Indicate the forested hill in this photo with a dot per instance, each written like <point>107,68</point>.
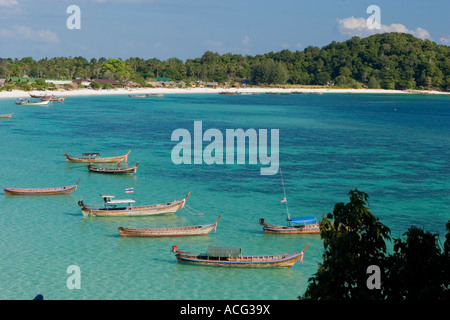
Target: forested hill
<point>388,60</point>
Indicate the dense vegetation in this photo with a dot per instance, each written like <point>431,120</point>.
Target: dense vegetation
<point>355,239</point>
<point>389,61</point>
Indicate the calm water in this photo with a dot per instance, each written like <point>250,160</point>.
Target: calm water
<point>393,147</point>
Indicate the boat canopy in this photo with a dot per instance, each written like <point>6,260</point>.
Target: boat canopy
<point>224,252</point>
<point>110,201</point>
<point>91,155</point>
<point>304,220</point>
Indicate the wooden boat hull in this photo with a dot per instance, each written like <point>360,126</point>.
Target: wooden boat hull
<point>200,230</point>
<point>6,116</point>
<point>114,170</point>
<point>170,207</point>
<point>42,191</point>
<point>314,229</point>
<point>40,103</point>
<point>310,228</point>
<point>265,261</point>
<point>96,160</point>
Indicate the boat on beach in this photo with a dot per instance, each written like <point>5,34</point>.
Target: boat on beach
<point>232,257</point>
<point>42,191</point>
<point>6,116</point>
<point>47,97</point>
<point>22,101</point>
<point>230,93</point>
<point>111,207</point>
<point>95,158</point>
<point>199,230</point>
<point>118,170</point>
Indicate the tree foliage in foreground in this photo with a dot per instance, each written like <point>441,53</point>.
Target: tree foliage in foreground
<point>355,239</point>
<point>388,61</point>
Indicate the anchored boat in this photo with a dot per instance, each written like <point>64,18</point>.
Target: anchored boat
<point>124,207</point>
<point>42,191</point>
<point>200,230</point>
<point>232,257</point>
<point>302,225</point>
<point>95,158</point>
<point>118,170</point>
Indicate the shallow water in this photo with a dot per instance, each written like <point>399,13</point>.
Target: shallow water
<point>393,147</point>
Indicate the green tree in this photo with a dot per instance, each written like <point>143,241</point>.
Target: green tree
<point>417,269</point>
<point>269,72</point>
<point>353,241</point>
<point>115,69</point>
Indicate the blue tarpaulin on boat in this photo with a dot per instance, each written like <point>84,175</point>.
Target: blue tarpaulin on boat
<point>304,220</point>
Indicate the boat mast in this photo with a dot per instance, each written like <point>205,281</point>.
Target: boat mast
<point>284,191</point>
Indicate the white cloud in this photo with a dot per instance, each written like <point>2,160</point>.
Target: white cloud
<point>445,40</point>
<point>8,3</point>
<point>26,33</point>
<point>358,27</point>
<point>245,41</point>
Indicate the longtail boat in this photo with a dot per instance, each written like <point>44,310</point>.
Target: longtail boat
<point>303,225</point>
<point>42,191</point>
<point>200,230</point>
<point>229,93</point>
<point>22,101</point>
<point>46,97</point>
<point>95,158</point>
<point>232,257</point>
<point>117,170</point>
<point>111,207</point>
<point>6,116</point>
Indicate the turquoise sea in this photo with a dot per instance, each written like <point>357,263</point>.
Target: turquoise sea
<point>393,147</point>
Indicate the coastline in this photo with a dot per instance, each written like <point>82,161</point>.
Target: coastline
<point>124,91</point>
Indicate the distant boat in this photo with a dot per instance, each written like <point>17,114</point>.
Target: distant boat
<point>200,230</point>
<point>6,116</point>
<point>47,97</point>
<point>231,257</point>
<point>137,95</point>
<point>117,170</point>
<point>95,158</point>
<point>229,92</point>
<point>22,101</point>
<point>155,94</point>
<point>42,191</point>
<point>111,208</point>
<point>53,98</point>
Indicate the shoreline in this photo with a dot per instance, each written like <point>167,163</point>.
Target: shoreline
<point>123,91</point>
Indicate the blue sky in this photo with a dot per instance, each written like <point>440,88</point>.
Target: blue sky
<point>186,29</point>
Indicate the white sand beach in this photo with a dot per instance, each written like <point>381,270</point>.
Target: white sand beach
<point>125,91</point>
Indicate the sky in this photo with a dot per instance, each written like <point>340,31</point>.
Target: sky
<point>185,29</point>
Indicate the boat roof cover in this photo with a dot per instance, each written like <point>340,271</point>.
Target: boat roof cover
<point>120,201</point>
<point>91,155</point>
<point>222,252</point>
<point>304,220</point>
